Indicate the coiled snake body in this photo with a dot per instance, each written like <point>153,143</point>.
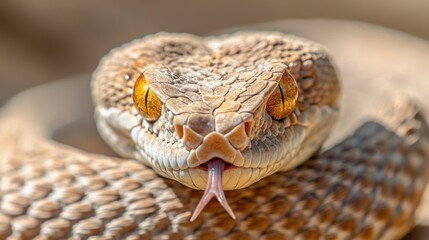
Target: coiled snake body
<point>229,111</point>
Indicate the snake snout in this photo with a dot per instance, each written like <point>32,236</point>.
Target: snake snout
<point>215,145</point>
<point>207,137</point>
<point>194,131</point>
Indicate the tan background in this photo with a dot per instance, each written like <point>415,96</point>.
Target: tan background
<point>46,40</point>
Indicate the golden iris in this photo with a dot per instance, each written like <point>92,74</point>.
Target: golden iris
<point>145,101</point>
<point>282,101</point>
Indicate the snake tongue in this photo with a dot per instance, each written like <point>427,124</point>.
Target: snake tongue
<point>215,168</point>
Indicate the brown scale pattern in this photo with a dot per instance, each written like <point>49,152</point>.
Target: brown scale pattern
<point>363,188</point>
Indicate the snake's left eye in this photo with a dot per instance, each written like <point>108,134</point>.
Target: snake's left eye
<point>145,101</point>
<point>282,101</point>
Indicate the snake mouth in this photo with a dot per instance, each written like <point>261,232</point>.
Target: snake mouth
<point>205,165</point>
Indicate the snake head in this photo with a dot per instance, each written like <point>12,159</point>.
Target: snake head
<point>216,113</point>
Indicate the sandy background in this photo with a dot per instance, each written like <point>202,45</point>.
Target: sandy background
<point>47,40</point>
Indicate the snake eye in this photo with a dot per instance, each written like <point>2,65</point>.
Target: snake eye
<point>282,101</point>
<point>146,102</point>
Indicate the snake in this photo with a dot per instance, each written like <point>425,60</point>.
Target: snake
<point>242,116</point>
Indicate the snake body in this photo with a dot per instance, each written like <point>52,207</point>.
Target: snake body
<point>214,94</point>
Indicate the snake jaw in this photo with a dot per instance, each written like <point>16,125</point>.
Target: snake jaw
<point>214,187</point>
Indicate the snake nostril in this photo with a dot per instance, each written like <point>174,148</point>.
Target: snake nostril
<point>179,123</point>
<point>248,127</point>
<point>179,130</point>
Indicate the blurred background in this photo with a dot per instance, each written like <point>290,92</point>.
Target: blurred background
<point>48,40</point>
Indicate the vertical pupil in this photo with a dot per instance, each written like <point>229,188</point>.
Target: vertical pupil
<point>283,98</point>
<point>146,100</point>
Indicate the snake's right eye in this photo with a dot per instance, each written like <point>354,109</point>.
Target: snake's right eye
<point>282,101</point>
<point>145,101</point>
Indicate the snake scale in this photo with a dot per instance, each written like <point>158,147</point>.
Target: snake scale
<point>241,112</point>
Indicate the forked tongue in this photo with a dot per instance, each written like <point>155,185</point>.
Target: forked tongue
<point>215,168</point>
